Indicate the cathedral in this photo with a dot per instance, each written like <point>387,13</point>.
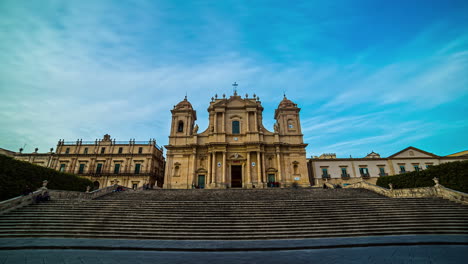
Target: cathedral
<point>236,150</point>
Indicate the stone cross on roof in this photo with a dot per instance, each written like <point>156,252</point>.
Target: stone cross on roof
<point>234,85</point>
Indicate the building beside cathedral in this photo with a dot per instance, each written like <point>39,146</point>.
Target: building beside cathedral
<point>105,161</point>
<point>328,168</point>
<point>236,150</point>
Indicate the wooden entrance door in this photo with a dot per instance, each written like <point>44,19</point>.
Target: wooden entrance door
<point>236,176</point>
<point>201,181</point>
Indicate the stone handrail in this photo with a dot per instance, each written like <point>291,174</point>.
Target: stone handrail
<point>422,192</point>
<point>18,202</point>
<point>58,194</point>
<point>23,200</point>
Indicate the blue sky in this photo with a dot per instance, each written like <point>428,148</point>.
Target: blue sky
<point>368,75</point>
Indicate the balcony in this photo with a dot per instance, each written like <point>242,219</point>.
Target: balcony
<point>326,176</point>
<point>383,174</point>
<point>345,176</point>
<point>365,176</point>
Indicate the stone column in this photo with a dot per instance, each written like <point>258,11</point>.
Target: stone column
<point>224,122</point>
<point>224,167</point>
<point>249,177</point>
<point>255,122</point>
<point>259,169</point>
<point>278,159</point>
<point>208,181</point>
<point>263,169</point>
<point>213,169</point>
<point>194,165</point>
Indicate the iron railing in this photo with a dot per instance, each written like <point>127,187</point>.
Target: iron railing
<point>93,174</point>
<point>365,176</point>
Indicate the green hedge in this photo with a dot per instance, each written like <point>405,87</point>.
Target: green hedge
<point>15,175</point>
<point>453,175</point>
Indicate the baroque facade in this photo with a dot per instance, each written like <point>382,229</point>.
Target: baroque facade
<point>236,150</point>
<point>106,161</point>
<point>328,168</point>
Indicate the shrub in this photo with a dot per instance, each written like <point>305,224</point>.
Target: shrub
<point>453,175</point>
<point>15,175</point>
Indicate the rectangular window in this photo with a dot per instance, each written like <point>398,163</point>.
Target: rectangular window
<point>140,150</point>
<point>416,167</point>
<point>81,169</point>
<point>85,151</point>
<point>428,166</point>
<point>382,171</point>
<point>120,150</point>
<point>62,167</point>
<point>324,172</point>
<point>103,150</point>
<point>364,171</point>
<point>137,168</point>
<point>98,168</point>
<point>344,172</point>
<point>116,168</point>
<point>235,127</point>
<point>402,169</point>
<point>67,151</point>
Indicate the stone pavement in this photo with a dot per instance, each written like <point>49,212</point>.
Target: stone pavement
<point>386,249</point>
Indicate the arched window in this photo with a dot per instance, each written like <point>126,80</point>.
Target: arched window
<point>235,127</point>
<point>180,127</point>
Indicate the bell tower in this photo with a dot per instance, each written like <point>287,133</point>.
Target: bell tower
<point>287,118</point>
<point>183,120</point>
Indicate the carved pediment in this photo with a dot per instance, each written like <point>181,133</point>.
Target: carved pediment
<point>235,116</point>
<point>412,152</point>
<point>236,156</point>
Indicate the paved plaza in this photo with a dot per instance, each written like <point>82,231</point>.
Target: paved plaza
<point>388,249</point>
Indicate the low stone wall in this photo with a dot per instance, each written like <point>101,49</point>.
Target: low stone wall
<point>422,192</point>
<point>319,182</point>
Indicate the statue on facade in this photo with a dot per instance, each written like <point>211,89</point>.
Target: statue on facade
<point>195,129</point>
<point>276,128</point>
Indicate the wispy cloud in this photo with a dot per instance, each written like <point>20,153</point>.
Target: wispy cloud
<point>120,68</point>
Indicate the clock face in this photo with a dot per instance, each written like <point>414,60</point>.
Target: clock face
<point>235,138</point>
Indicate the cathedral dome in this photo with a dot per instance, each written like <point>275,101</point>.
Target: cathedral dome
<point>183,105</point>
<point>286,103</point>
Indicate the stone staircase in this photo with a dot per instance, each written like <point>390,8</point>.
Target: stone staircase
<point>236,214</point>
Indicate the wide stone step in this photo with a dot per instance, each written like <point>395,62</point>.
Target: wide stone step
<point>236,209</point>
<point>156,233</point>
<point>235,237</point>
<point>231,214</point>
<point>247,205</point>
<point>210,224</point>
<point>231,228</point>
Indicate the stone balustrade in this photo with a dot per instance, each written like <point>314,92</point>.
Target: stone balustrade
<point>423,192</point>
